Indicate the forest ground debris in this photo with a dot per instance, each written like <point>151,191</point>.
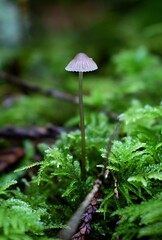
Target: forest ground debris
<point>16,81</point>
<point>33,88</point>
<point>50,131</point>
<point>88,204</point>
<point>91,203</point>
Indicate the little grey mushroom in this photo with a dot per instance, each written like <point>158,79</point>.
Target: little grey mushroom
<point>81,63</point>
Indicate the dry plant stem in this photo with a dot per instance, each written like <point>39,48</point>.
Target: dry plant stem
<point>73,223</point>
<point>50,131</point>
<point>114,136</point>
<point>51,93</point>
<point>116,193</point>
<point>36,89</point>
<point>81,109</point>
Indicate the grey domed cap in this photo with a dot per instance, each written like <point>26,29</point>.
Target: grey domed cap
<point>81,63</point>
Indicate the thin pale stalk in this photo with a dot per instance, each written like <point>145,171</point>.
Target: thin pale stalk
<point>81,110</point>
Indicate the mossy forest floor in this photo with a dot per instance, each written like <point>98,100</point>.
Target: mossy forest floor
<point>42,192</point>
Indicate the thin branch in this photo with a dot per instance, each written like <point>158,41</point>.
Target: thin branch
<point>105,172</point>
<point>87,217</point>
<point>51,131</point>
<point>76,218</point>
<point>52,93</point>
<point>33,88</point>
<point>112,115</point>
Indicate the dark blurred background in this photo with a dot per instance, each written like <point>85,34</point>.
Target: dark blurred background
<point>48,33</point>
<point>38,38</point>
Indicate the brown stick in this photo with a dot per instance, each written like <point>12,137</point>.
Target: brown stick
<point>52,93</point>
<point>48,92</point>
<point>67,234</point>
<point>50,131</point>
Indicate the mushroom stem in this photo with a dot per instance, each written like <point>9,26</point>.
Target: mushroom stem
<point>81,63</point>
<point>81,109</point>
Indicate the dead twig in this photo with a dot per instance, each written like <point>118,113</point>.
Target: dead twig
<point>10,156</point>
<point>116,192</point>
<point>52,93</point>
<point>105,170</point>
<point>33,88</point>
<point>87,217</point>
<point>51,131</point>
<point>88,204</point>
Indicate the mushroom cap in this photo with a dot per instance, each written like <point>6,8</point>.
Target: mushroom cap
<point>81,63</point>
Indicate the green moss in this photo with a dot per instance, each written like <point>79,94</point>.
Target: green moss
<point>37,206</point>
